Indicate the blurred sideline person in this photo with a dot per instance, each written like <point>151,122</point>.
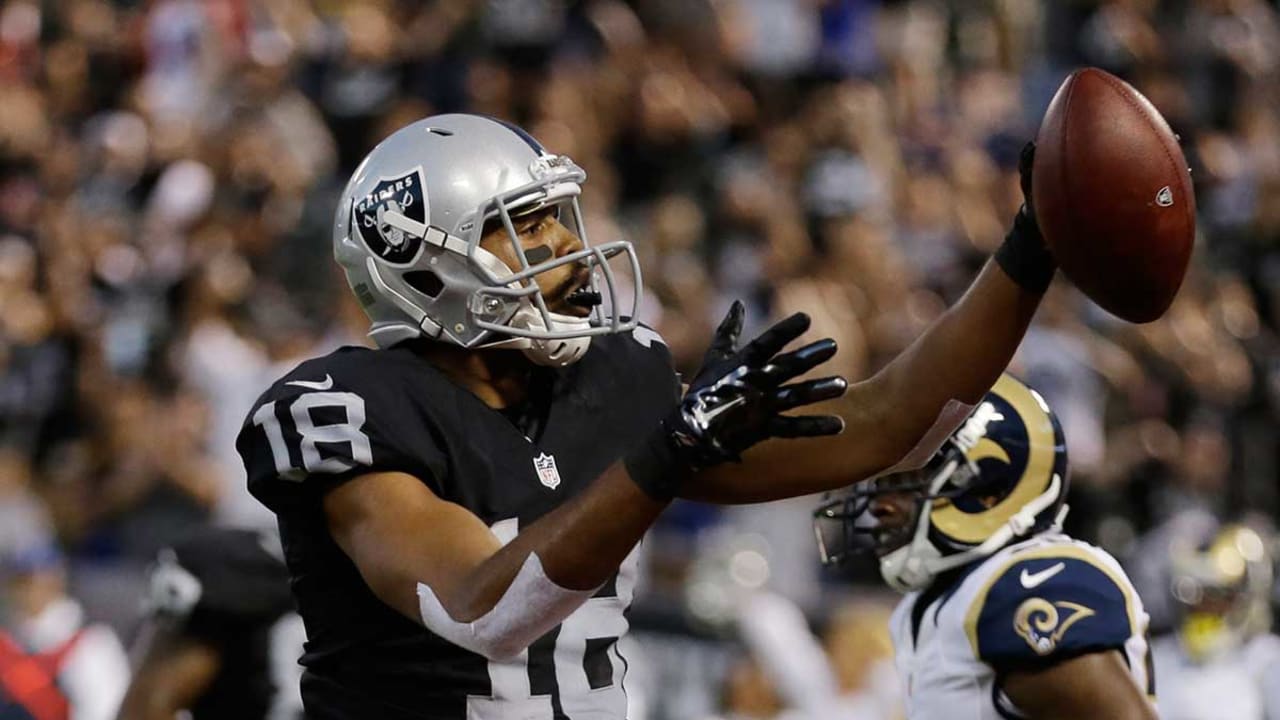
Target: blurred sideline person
<point>847,675</point>
<point>1222,661</point>
<point>1004,615</point>
<point>789,672</point>
<point>53,664</point>
<point>459,507</point>
<point>221,640</point>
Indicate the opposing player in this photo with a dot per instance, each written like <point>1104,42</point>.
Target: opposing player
<point>1004,615</point>
<point>1222,661</point>
<point>221,640</point>
<point>459,506</point>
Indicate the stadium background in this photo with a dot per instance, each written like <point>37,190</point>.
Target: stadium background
<point>169,169</point>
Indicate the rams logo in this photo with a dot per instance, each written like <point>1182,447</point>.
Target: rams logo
<point>972,437</point>
<point>1016,444</point>
<point>403,195</point>
<point>1040,623</point>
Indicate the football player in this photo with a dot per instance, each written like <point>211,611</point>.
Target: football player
<point>221,639</point>
<point>1222,661</point>
<point>460,505</point>
<point>1004,615</point>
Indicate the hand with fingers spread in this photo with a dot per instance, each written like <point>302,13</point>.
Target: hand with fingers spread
<point>736,400</point>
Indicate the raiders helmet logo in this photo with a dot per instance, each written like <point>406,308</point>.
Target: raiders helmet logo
<point>369,214</point>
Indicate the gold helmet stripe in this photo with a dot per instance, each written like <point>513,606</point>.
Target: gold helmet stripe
<point>974,527</point>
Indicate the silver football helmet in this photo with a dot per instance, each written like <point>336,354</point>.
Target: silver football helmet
<point>408,228</point>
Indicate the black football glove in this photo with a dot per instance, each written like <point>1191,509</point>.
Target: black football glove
<point>735,401</point>
<point>1026,163</point>
<point>1024,256</point>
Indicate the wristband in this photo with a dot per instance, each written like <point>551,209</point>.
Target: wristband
<point>1024,257</point>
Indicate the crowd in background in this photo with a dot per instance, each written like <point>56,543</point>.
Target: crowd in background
<point>169,168</point>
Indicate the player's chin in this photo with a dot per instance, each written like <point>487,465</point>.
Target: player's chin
<point>887,545</point>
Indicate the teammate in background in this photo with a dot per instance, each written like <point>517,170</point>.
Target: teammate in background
<point>459,507</point>
<point>1004,615</point>
<point>53,664</point>
<point>1222,661</point>
<point>221,640</point>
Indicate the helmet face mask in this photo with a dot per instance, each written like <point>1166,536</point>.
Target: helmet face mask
<point>409,230</point>
<point>1000,476</point>
<point>848,526</point>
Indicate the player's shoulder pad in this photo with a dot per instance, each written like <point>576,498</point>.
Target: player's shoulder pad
<point>347,369</point>
<point>1043,603</point>
<point>647,336</point>
<point>340,416</point>
<point>643,353</point>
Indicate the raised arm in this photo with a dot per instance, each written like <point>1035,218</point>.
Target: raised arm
<point>899,416</point>
<point>931,385</point>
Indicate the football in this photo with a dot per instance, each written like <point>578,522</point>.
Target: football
<point>1112,193</point>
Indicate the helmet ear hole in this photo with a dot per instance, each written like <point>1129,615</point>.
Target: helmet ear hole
<point>425,282</point>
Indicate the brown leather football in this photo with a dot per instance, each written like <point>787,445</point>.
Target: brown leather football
<point>1113,197</point>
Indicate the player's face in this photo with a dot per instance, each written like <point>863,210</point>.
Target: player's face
<point>894,510</point>
<point>543,237</point>
<point>871,518</point>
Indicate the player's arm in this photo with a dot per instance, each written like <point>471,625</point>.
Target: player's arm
<point>173,666</point>
<point>175,671</point>
<point>405,540</point>
<point>899,417</point>
<point>1096,686</point>
<point>437,563</point>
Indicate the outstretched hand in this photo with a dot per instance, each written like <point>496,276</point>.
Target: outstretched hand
<point>738,396</point>
<point>737,399</point>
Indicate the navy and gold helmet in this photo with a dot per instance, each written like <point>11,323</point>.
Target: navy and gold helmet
<point>1002,475</point>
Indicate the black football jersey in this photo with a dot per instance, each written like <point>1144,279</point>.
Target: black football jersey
<point>357,411</point>
<point>230,589</point>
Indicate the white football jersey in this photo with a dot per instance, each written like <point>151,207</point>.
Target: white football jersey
<point>1242,684</point>
<point>1031,604</point>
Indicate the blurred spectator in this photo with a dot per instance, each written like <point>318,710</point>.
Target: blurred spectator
<point>168,172</point>
<point>53,659</point>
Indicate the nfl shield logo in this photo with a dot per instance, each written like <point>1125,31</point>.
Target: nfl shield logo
<point>546,466</point>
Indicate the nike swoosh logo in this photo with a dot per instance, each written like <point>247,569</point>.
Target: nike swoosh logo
<point>322,385</point>
<point>1030,580</point>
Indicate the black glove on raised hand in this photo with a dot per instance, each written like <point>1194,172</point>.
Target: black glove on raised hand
<point>735,401</point>
<point>1024,257</point>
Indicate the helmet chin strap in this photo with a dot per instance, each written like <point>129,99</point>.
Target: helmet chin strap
<point>546,352</point>
<point>914,565</point>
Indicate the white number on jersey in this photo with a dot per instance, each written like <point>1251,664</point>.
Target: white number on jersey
<point>599,617</point>
<point>349,432</point>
